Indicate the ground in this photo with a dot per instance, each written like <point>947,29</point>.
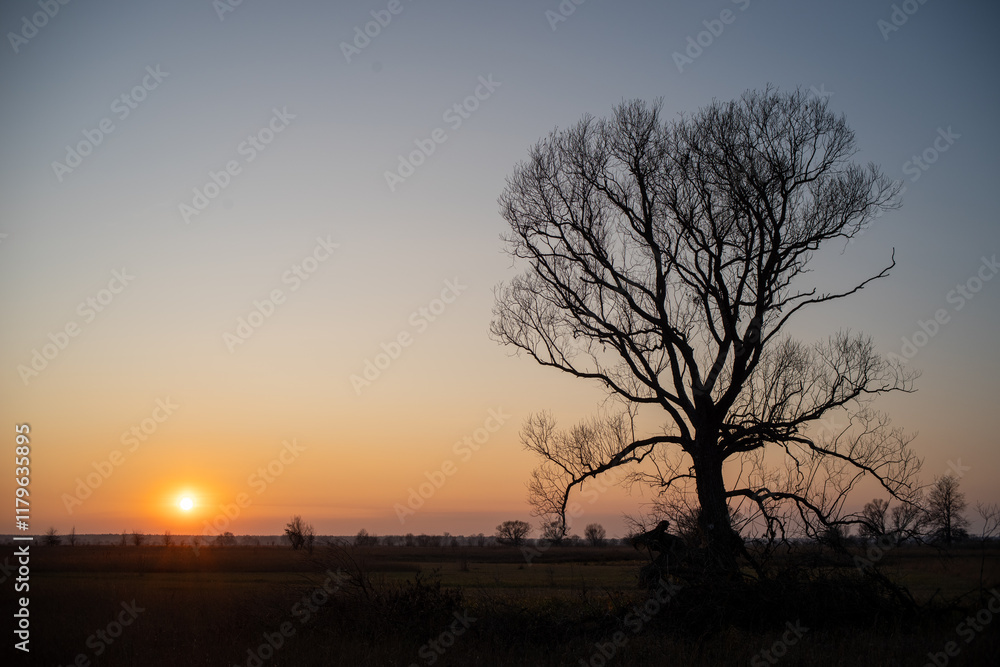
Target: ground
<point>155,605</point>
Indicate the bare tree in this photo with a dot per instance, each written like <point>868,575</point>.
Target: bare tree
<point>52,539</point>
<point>553,532</point>
<point>137,538</point>
<point>300,534</point>
<point>595,534</point>
<point>665,261</point>
<point>226,539</point>
<point>71,538</point>
<point>874,518</point>
<point>167,538</point>
<point>424,540</point>
<point>945,505</point>
<point>906,520</point>
<point>363,539</point>
<point>990,514</point>
<point>513,532</point>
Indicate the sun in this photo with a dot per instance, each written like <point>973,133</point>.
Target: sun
<point>186,503</point>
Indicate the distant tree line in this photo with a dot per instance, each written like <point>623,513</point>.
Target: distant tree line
<point>938,517</point>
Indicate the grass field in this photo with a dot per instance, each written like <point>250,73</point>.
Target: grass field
<point>416,606</point>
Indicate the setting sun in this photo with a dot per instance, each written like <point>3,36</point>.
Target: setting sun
<point>186,503</point>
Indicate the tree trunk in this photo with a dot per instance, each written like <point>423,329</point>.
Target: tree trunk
<point>724,544</point>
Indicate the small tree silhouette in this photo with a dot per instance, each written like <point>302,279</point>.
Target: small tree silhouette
<point>71,538</point>
<point>595,534</point>
<point>363,539</point>
<point>513,532</point>
<point>51,539</point>
<point>553,532</point>
<point>874,515</point>
<point>226,539</point>
<point>945,505</point>
<point>300,534</point>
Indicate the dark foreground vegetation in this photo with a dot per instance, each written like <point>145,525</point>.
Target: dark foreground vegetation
<point>155,605</point>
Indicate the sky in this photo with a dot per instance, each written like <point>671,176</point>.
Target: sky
<point>207,229</point>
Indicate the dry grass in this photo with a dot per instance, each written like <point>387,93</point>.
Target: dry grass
<point>210,608</point>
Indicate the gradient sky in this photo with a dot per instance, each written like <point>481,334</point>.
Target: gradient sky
<point>323,176</point>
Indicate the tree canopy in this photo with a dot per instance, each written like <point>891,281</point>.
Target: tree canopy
<point>665,260</point>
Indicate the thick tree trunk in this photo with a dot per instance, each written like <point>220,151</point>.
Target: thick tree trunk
<point>724,545</point>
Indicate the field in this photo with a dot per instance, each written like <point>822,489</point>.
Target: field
<point>153,605</point>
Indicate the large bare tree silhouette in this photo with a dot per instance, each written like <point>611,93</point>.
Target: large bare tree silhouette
<point>665,260</point>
